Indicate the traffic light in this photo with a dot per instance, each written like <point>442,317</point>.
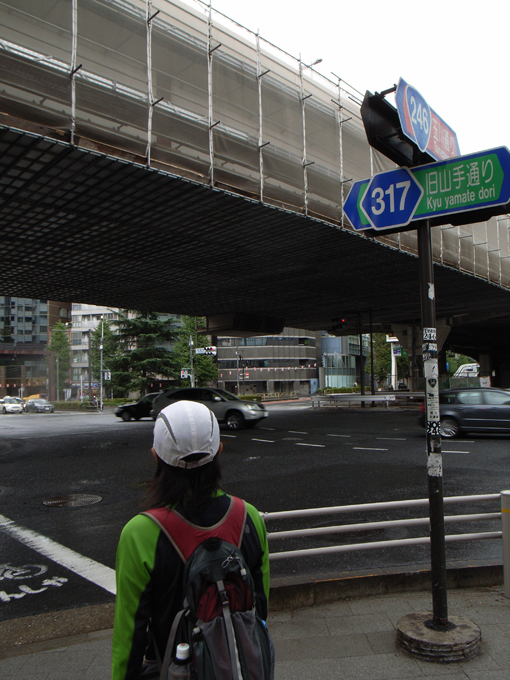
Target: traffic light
<point>339,323</point>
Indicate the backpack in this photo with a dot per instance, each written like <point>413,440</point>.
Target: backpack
<point>227,638</point>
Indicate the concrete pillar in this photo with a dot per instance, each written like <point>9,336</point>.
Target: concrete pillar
<point>485,362</point>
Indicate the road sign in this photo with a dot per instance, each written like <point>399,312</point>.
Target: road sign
<point>479,180</point>
<point>352,207</point>
<point>391,199</point>
<point>422,124</point>
<point>458,185</point>
<point>206,350</point>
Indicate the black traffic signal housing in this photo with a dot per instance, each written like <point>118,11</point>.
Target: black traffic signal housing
<point>384,132</point>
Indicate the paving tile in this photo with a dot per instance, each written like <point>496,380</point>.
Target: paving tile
<point>342,625</point>
<point>488,675</point>
<point>299,629</point>
<point>388,605</point>
<point>332,646</point>
<point>382,642</point>
<point>325,669</point>
<point>381,667</point>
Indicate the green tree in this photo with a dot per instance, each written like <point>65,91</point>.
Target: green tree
<point>382,360</point>
<point>143,350</point>
<point>59,345</point>
<point>206,370</point>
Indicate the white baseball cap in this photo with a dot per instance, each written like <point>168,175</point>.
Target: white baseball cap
<point>184,428</point>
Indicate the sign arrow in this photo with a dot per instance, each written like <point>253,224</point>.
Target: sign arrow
<point>352,206</point>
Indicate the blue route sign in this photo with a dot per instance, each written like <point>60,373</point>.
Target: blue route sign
<point>459,185</point>
<point>391,199</point>
<point>423,125</point>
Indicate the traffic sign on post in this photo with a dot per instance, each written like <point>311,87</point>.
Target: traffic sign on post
<point>422,124</point>
<point>206,350</point>
<point>391,199</point>
<point>478,181</point>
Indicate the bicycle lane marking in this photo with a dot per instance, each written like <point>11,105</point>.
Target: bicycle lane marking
<point>89,569</point>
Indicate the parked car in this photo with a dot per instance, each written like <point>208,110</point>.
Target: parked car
<point>137,409</point>
<point>229,409</point>
<point>473,409</point>
<point>39,406</point>
<point>11,405</point>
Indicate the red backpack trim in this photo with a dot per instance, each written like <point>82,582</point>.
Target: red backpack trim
<point>186,536</point>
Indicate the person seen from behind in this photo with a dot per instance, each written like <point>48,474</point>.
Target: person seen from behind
<point>149,570</point>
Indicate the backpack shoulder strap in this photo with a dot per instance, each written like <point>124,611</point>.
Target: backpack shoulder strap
<point>186,536</point>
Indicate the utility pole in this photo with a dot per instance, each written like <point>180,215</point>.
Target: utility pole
<point>192,376</point>
<point>101,368</point>
<point>90,364</point>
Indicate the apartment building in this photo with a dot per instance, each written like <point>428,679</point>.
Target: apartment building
<point>25,330</point>
<point>85,319</point>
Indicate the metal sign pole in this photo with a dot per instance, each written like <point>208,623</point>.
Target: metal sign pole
<point>434,457</point>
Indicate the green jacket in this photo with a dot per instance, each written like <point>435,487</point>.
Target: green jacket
<point>149,575</point>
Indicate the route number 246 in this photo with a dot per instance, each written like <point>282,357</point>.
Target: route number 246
<point>378,195</point>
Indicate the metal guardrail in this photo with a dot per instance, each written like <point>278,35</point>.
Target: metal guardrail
<point>504,514</point>
<point>356,397</point>
<point>351,397</point>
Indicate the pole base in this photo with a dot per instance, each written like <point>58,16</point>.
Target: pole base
<point>460,640</point>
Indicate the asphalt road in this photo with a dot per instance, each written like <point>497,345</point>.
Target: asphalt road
<point>297,458</point>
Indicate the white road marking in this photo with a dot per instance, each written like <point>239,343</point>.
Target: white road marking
<point>93,571</point>
<point>339,435</point>
<point>366,448</point>
<point>269,441</point>
<point>393,439</point>
<point>446,451</point>
<point>297,432</point>
<point>267,428</point>
<point>321,446</point>
<point>232,436</point>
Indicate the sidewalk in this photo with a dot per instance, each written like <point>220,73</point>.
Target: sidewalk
<point>350,639</point>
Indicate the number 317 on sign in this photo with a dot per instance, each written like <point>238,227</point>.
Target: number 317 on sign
<point>391,199</point>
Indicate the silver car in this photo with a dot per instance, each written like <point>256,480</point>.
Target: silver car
<point>11,405</point>
<point>229,409</point>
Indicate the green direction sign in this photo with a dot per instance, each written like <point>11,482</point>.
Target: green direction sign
<point>457,185</point>
<point>464,183</point>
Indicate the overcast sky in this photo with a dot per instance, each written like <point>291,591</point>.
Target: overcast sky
<point>454,52</point>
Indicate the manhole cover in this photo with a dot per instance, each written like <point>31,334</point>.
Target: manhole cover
<point>73,499</point>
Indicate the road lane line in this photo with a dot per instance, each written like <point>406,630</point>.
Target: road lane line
<point>319,446</point>
<point>366,448</point>
<point>338,435</point>
<point>269,441</point>
<point>93,571</point>
<point>447,451</point>
<point>393,439</point>
<point>297,432</point>
<point>232,436</point>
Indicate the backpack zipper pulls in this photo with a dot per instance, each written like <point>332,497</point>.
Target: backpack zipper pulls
<point>233,558</point>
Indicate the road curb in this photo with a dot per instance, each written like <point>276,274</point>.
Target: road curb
<point>48,631</point>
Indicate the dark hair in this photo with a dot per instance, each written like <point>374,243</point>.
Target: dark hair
<point>192,488</point>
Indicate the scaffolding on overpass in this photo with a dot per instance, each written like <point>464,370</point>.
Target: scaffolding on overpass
<point>182,89</point>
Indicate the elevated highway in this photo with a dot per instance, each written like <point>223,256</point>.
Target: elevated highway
<point>154,157</point>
